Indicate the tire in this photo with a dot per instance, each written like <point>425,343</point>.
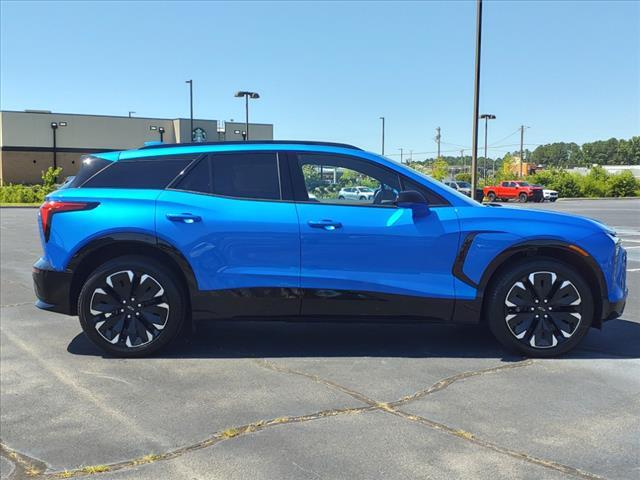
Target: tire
<point>522,198</point>
<point>539,307</point>
<point>491,196</point>
<point>341,197</point>
<point>552,200</point>
<point>150,301</point>
<point>363,198</point>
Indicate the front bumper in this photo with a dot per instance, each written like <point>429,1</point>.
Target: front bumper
<point>614,307</point>
<point>52,288</point>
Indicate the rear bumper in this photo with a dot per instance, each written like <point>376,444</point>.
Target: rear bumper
<point>52,288</point>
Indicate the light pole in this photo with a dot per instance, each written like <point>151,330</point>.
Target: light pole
<point>54,129</point>
<point>190,82</point>
<point>382,118</point>
<point>476,102</point>
<point>161,132</point>
<point>486,117</point>
<point>247,96</point>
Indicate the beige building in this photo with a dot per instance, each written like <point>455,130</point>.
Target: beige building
<point>27,138</point>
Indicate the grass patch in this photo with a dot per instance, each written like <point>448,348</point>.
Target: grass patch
<point>147,459</point>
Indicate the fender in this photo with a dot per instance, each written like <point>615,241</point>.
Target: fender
<point>131,239</point>
<point>473,308</point>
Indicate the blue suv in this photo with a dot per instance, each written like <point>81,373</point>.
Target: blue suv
<point>144,242</point>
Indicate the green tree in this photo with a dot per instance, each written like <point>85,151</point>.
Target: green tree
<point>464,177</point>
<point>440,169</point>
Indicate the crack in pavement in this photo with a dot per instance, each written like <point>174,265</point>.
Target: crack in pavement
<point>33,468</point>
<point>21,304</point>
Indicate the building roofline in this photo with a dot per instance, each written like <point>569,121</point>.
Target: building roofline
<point>132,118</point>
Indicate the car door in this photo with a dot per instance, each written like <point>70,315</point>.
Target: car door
<point>227,218</point>
<point>357,257</point>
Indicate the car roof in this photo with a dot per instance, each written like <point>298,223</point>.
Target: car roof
<point>233,146</point>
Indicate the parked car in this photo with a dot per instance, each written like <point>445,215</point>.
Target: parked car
<point>356,193</point>
<point>145,242</point>
<point>462,187</point>
<point>513,190</point>
<point>548,194</point>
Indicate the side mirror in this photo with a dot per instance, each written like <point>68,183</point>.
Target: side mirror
<point>413,200</point>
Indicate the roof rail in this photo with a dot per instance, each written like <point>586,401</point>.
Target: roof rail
<point>252,142</point>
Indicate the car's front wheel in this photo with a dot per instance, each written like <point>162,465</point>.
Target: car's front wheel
<point>131,306</point>
<point>539,307</point>
<point>491,196</point>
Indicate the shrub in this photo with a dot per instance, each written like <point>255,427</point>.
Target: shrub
<point>464,177</point>
<point>30,193</point>
<point>623,184</point>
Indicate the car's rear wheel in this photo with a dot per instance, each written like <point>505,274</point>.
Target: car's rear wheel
<point>131,306</point>
<point>341,197</point>
<point>363,198</point>
<point>523,198</point>
<point>539,307</point>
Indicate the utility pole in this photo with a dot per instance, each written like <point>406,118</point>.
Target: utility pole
<point>382,118</point>
<point>401,154</point>
<point>476,103</point>
<point>438,136</point>
<point>463,161</point>
<point>521,148</point>
<point>410,157</point>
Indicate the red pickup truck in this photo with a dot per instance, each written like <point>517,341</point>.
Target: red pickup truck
<point>513,189</point>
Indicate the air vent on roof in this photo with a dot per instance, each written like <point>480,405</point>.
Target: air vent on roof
<point>37,111</point>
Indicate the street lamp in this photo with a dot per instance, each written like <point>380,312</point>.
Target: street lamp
<point>190,82</point>
<point>476,101</point>
<point>486,117</point>
<point>54,129</point>
<point>247,96</point>
<point>161,132</point>
<point>382,118</point>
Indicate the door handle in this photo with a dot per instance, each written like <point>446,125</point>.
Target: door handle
<point>183,217</point>
<point>329,225</point>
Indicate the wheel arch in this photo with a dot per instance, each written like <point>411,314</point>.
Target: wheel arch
<point>100,250</point>
<point>564,252</point>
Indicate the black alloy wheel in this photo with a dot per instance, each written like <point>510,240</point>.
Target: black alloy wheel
<point>131,307</point>
<point>541,308</point>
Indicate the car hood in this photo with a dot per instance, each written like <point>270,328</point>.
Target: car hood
<point>545,222</point>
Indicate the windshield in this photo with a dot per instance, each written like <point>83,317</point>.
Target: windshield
<point>524,184</point>
<point>464,185</point>
<point>365,189</point>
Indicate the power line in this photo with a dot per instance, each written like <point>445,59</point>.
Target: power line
<point>510,135</point>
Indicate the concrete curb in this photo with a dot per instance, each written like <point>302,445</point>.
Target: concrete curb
<point>597,198</point>
<point>18,206</point>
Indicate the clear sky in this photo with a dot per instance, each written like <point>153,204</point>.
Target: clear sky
<point>328,71</point>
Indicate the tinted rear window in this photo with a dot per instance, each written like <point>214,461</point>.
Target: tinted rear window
<point>89,167</point>
<point>149,173</point>
<point>242,175</point>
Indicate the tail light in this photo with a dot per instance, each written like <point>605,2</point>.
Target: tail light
<point>48,209</point>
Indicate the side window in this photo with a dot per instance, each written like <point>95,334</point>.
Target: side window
<point>242,175</point>
<point>505,184</point>
<point>513,184</point>
<point>433,198</point>
<point>147,172</point>
<point>327,177</point>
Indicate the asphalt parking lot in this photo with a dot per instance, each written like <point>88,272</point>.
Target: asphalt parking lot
<point>300,401</point>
